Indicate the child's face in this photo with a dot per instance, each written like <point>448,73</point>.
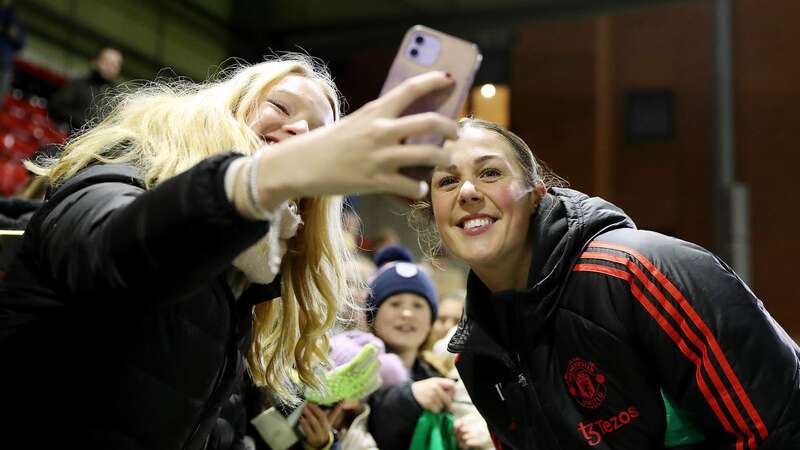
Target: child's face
<point>448,317</point>
<point>403,321</point>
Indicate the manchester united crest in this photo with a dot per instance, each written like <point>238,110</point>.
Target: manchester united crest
<point>585,383</point>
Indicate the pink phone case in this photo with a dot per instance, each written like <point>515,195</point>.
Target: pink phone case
<point>424,50</point>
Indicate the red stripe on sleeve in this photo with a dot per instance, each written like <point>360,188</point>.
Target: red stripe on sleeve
<point>704,329</point>
<point>674,335</point>
<point>602,269</point>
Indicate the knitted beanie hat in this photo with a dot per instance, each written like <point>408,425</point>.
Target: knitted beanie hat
<point>397,274</point>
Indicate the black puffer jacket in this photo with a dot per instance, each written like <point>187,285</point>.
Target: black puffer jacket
<point>117,327</point>
<point>617,323</point>
<point>394,412</point>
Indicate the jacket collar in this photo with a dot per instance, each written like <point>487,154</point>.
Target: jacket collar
<point>562,225</point>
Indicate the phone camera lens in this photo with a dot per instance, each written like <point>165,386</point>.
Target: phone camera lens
<point>414,52</point>
<point>419,40</point>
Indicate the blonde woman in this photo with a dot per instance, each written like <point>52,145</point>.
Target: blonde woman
<point>145,277</point>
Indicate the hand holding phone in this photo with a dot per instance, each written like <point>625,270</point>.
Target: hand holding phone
<point>423,50</point>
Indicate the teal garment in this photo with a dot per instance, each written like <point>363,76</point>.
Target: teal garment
<point>434,431</point>
<point>680,430</point>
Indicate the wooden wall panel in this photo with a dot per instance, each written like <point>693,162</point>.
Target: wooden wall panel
<point>767,90</point>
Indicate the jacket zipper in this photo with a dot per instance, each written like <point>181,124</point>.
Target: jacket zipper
<point>528,391</point>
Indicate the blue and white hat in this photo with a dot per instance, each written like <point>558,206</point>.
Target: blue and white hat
<point>398,274</point>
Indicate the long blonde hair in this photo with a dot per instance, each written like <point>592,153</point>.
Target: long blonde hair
<point>164,128</point>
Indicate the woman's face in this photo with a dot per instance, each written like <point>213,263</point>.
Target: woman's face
<point>403,321</point>
<point>481,203</point>
<point>448,317</point>
<point>295,105</point>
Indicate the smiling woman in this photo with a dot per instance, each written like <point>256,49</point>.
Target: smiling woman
<point>296,105</point>
<point>581,330</point>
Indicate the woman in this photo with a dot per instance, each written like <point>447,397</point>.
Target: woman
<point>143,276</point>
<point>401,308</point>
<point>581,331</point>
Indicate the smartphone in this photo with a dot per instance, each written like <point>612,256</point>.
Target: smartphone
<point>423,50</point>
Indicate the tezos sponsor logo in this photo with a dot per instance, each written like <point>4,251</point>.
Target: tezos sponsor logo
<point>594,431</point>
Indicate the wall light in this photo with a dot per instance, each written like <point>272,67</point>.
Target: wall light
<point>488,90</point>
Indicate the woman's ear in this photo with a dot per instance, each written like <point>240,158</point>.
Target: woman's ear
<point>538,193</point>
<point>540,188</point>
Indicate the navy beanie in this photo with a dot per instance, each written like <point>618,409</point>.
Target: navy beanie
<point>397,274</point>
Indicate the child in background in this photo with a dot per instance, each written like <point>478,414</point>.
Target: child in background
<point>450,309</point>
<point>402,306</point>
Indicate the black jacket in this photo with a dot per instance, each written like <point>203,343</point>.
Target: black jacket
<point>117,327</point>
<point>394,411</point>
<point>613,319</point>
<point>15,213</point>
<point>79,101</point>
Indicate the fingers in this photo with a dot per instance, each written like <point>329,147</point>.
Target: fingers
<point>318,415</point>
<point>472,440</point>
<point>404,186</point>
<point>310,421</point>
<point>308,432</point>
<point>446,399</point>
<point>415,155</point>
<point>445,392</point>
<point>448,384</point>
<point>441,394</point>
<point>336,413</point>
<point>435,402</point>
<point>402,96</point>
<point>430,122</point>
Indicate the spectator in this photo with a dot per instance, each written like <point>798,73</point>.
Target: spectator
<point>402,306</point>
<point>79,100</point>
<point>450,309</point>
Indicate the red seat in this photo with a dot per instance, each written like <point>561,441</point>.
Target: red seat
<point>13,177</point>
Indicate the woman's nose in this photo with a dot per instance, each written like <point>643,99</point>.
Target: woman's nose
<point>468,193</point>
<point>296,127</point>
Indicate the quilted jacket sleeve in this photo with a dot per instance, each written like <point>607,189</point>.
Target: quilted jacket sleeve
<point>719,354</point>
<point>102,236</point>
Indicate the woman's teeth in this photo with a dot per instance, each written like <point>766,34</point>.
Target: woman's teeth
<point>475,223</point>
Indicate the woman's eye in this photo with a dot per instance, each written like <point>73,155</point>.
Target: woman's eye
<point>491,172</point>
<point>280,107</point>
<point>446,181</point>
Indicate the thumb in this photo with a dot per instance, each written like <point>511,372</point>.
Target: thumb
<point>447,384</point>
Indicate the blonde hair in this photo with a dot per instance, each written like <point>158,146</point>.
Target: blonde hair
<point>164,128</point>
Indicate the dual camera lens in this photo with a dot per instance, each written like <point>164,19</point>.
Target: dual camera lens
<point>419,40</point>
